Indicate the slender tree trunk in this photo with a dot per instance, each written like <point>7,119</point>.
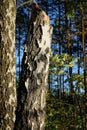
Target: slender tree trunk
<point>32,89</point>
<point>19,54</point>
<point>60,50</point>
<point>7,64</point>
<point>85,69</point>
<point>69,44</point>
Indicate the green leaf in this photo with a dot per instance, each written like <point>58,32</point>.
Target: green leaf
<point>61,72</point>
<point>71,64</point>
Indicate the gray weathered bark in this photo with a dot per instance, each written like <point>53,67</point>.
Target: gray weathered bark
<point>7,64</point>
<point>32,90</point>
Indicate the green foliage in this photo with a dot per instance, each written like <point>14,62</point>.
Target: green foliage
<point>58,63</point>
<point>62,114</point>
<point>72,6</point>
<point>70,13</point>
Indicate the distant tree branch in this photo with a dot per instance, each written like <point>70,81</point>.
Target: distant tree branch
<point>24,3</point>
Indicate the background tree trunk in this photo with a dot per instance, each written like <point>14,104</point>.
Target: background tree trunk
<point>85,67</point>
<point>7,64</point>
<point>32,89</point>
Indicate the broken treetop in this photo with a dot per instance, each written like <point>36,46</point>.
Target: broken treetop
<point>43,17</point>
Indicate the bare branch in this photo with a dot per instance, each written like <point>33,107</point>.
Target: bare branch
<point>24,3</point>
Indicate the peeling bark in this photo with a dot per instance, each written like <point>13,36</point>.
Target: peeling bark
<point>7,65</point>
<point>32,90</point>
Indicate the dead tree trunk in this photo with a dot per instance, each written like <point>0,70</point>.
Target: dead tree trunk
<point>32,89</point>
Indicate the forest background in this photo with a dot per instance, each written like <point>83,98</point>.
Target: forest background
<point>67,81</point>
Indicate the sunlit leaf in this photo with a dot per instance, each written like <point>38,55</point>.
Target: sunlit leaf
<point>71,64</point>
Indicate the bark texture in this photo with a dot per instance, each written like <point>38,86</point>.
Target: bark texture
<point>32,90</point>
<point>7,64</point>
